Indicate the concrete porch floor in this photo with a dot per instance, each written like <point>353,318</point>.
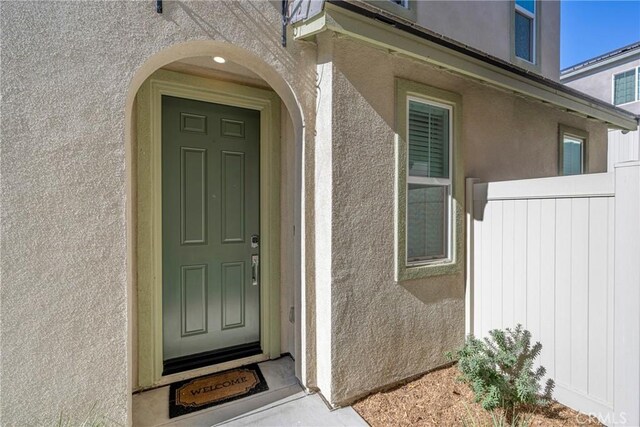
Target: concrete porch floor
<point>284,404</point>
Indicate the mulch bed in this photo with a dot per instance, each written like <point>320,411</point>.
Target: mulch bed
<point>438,399</point>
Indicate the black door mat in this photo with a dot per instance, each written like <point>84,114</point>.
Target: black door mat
<point>215,389</point>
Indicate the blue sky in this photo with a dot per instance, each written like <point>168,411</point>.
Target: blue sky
<point>590,28</point>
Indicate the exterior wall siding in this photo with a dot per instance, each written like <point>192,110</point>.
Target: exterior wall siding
<point>485,25</point>
<point>383,331</point>
<point>66,295</point>
<point>598,82</point>
<point>67,299</point>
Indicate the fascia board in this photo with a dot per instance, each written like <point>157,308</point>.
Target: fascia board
<point>573,74</point>
<point>386,36</point>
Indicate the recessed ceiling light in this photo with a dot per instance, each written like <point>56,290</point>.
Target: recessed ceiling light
<point>219,59</point>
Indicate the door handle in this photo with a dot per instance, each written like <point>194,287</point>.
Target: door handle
<point>255,261</point>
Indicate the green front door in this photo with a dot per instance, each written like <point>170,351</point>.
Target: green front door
<point>210,233</point>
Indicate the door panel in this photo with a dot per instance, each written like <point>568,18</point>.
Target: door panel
<point>194,297</point>
<point>210,210</point>
<point>193,212</point>
<point>232,197</point>
<point>232,302</point>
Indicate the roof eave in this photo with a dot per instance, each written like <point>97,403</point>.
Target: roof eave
<point>601,61</point>
<point>401,38</point>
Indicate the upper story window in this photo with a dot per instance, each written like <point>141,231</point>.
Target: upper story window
<point>525,30</point>
<point>403,8</point>
<point>626,87</point>
<point>403,3</point>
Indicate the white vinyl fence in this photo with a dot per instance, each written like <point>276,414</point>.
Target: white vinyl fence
<point>623,147</point>
<point>541,253</point>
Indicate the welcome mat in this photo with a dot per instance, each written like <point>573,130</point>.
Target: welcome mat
<point>215,389</point>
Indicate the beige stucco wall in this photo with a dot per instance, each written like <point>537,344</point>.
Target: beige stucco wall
<point>67,96</point>
<point>383,332</point>
<point>486,25</point>
<point>66,74</point>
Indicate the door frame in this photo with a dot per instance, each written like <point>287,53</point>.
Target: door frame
<point>149,215</point>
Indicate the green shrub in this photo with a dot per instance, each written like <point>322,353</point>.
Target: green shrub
<point>500,371</point>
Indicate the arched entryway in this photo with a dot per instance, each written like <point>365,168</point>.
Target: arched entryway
<point>274,121</point>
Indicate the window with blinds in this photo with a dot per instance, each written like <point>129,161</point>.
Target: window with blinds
<point>428,140</point>
<point>428,181</point>
<point>624,87</point>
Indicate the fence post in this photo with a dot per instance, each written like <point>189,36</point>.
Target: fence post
<point>626,323</point>
<point>469,313</point>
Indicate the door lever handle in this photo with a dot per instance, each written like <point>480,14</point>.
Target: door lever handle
<point>255,261</point>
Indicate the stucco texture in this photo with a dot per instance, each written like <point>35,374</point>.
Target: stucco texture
<point>67,68</point>
<point>382,331</point>
<point>70,71</point>
<point>598,82</point>
<point>481,24</point>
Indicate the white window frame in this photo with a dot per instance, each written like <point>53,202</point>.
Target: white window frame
<point>534,25</point>
<point>439,182</point>
<point>636,83</point>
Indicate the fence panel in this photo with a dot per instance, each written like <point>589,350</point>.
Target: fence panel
<point>541,254</point>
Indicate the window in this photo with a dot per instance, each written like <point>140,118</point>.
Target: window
<point>525,29</point>
<point>428,181</point>
<point>626,87</point>
<point>403,3</point>
<point>429,187</point>
<point>403,8</point>
<point>572,151</point>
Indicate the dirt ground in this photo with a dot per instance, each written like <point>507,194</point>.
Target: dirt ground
<point>438,399</point>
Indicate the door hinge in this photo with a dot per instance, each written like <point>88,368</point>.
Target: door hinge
<point>292,315</point>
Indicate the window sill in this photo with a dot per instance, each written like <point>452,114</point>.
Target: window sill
<point>523,63</point>
<point>627,103</point>
<point>432,269</point>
